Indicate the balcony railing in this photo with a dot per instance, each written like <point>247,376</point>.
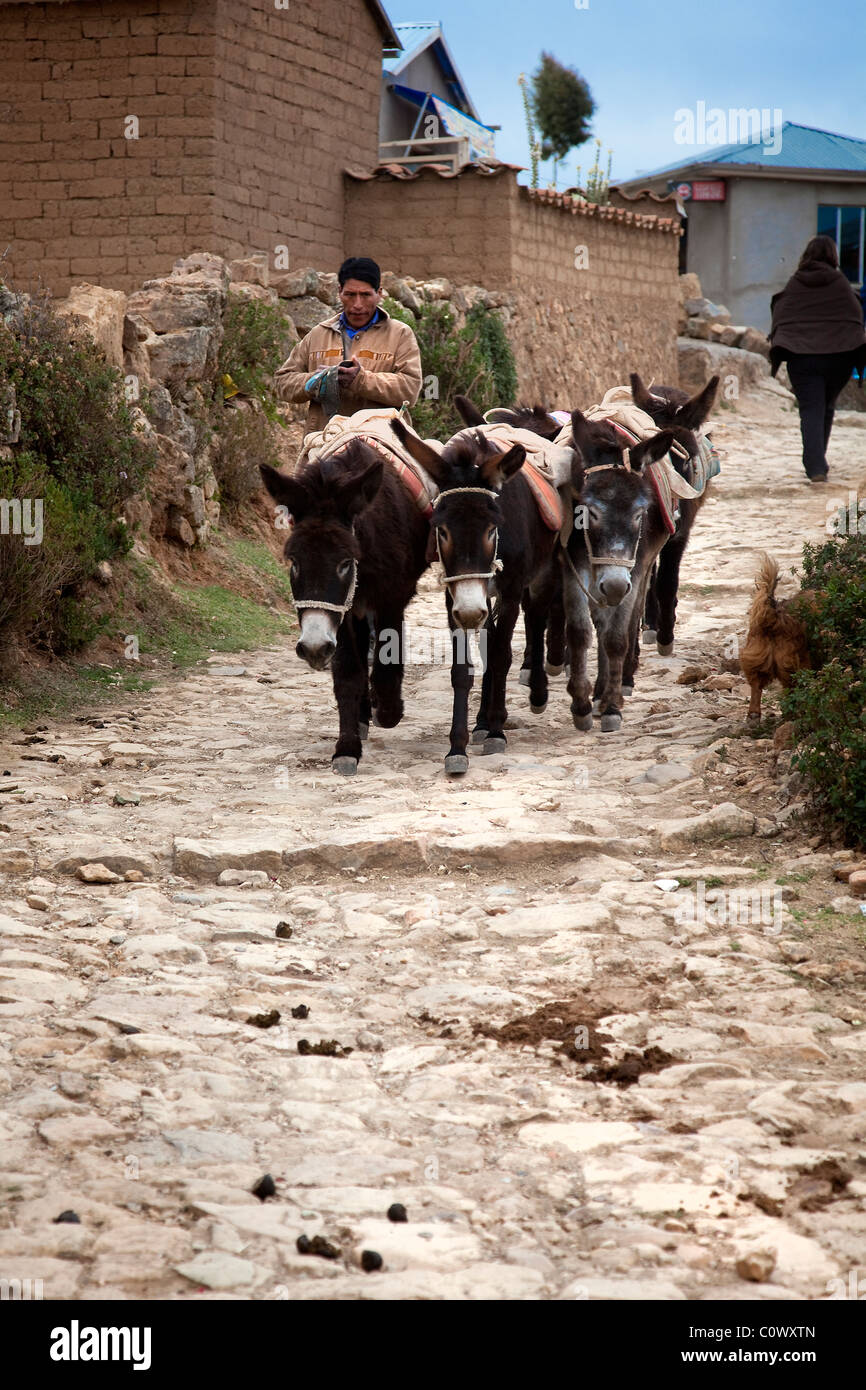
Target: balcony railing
<point>453,150</point>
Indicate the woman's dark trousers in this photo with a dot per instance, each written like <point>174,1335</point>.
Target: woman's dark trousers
<point>817,379</point>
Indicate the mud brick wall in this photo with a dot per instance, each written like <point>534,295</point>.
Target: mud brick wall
<point>297,98</point>
<point>247,116</point>
<point>597,298</point>
<point>576,331</point>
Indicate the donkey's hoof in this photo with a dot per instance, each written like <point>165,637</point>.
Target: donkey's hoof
<point>665,648</point>
<point>537,709</point>
<point>583,722</point>
<point>525,675</point>
<point>456,764</point>
<point>363,732</point>
<point>610,723</point>
<point>479,735</point>
<point>627,690</point>
<point>649,637</point>
<point>344,767</point>
<point>553,670</point>
<point>494,745</point>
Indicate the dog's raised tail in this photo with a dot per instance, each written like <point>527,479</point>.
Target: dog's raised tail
<point>764,612</point>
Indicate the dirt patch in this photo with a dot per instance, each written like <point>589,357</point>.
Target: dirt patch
<point>633,1066</point>
<point>570,1022</point>
<point>573,1024</point>
<point>819,1186</point>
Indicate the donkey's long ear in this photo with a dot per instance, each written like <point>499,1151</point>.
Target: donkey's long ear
<point>642,398</point>
<point>498,468</point>
<point>469,413</point>
<point>695,411</point>
<point>420,451</point>
<point>651,450</point>
<point>581,434</point>
<point>287,491</point>
<point>356,494</point>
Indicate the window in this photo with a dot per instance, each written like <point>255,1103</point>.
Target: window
<point>846,225</point>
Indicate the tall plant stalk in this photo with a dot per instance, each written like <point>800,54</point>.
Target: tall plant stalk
<point>534,142</point>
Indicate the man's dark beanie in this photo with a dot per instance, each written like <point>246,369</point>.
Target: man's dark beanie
<point>360,268</point>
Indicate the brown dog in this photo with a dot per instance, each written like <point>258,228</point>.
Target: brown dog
<point>776,645</point>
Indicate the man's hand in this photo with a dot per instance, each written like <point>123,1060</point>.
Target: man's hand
<point>346,375</point>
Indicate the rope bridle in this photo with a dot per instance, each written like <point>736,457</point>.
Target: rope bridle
<point>599,560</point>
<point>341,608</point>
<point>447,579</point>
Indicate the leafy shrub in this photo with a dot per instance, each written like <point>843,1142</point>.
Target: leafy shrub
<point>475,361</point>
<point>74,417</point>
<point>79,456</point>
<point>257,339</point>
<point>828,703</point>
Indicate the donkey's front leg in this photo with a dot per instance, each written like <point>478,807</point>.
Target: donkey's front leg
<point>537,610</point>
<point>387,676</point>
<point>462,677</point>
<point>349,672</point>
<point>498,666</point>
<point>361,629</point>
<point>632,658</point>
<point>667,584</point>
<point>578,631</point>
<point>651,612</point>
<point>615,636</point>
<point>556,654</point>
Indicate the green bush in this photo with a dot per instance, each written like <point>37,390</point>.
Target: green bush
<point>257,339</point>
<point>74,417</point>
<point>827,704</point>
<point>475,361</point>
<point>78,456</point>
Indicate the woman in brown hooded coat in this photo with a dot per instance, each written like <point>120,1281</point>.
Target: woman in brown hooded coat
<point>818,330</point>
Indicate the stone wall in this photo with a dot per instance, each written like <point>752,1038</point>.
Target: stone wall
<point>246,116</point>
<point>595,289</point>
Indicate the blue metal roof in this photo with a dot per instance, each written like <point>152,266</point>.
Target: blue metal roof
<point>413,37</point>
<point>803,147</point>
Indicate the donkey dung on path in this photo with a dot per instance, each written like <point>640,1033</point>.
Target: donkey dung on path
<point>357,547</point>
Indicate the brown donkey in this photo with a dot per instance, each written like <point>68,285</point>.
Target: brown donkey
<point>357,547</point>
<point>490,536</point>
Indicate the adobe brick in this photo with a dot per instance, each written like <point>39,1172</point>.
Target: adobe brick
<point>122,48</point>
<point>92,264</point>
<point>104,25</point>
<point>180,45</point>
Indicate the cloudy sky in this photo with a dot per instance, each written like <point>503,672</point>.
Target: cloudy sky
<point>645,59</point>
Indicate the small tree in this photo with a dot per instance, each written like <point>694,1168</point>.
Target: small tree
<point>562,107</point>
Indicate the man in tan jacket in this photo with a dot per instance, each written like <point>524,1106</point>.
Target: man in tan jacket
<point>359,359</point>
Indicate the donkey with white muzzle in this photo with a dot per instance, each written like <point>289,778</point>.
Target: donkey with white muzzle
<point>610,541</point>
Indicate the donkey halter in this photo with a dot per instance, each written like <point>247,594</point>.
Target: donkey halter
<point>341,608</point>
<point>599,560</point>
<point>446,579</point>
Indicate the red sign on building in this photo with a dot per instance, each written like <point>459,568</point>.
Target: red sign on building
<point>708,191</point>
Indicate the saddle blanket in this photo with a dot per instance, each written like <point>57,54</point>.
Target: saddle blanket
<point>373,428</point>
<point>547,465</point>
<point>619,409</point>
